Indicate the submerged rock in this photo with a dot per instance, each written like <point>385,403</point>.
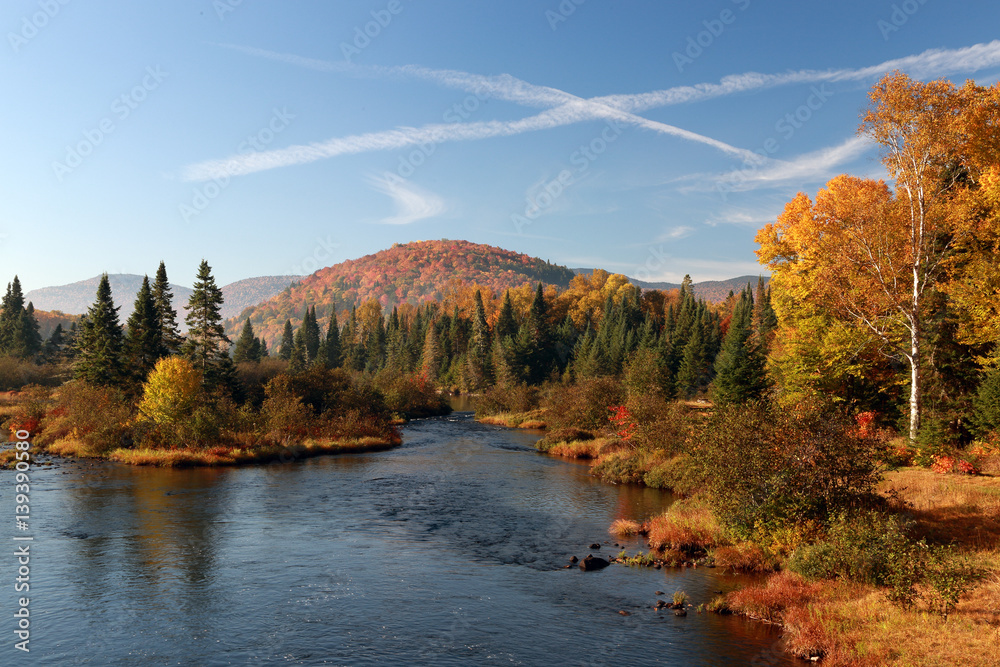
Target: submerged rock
<point>595,545</point>
<point>591,563</point>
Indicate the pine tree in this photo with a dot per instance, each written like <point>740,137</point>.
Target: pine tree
<point>297,361</point>
<point>143,340</point>
<point>333,353</point>
<point>764,321</point>
<point>506,324</point>
<point>540,359</point>
<point>287,342</point>
<point>740,373</point>
<point>311,333</point>
<point>53,350</point>
<point>691,375</point>
<point>478,372</point>
<point>207,345</point>
<point>262,352</point>
<point>247,347</point>
<point>430,362</point>
<point>163,298</point>
<point>100,341</point>
<point>19,335</point>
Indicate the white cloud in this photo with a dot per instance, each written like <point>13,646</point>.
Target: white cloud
<point>569,109</point>
<point>412,202</point>
<point>818,165</point>
<point>675,233</point>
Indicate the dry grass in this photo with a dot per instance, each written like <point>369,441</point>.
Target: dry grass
<point>951,507</point>
<point>580,449</point>
<point>70,447</point>
<point>625,528</point>
<point>225,455</point>
<point>687,525</point>
<point>529,420</point>
<point>851,624</point>
<point>744,557</point>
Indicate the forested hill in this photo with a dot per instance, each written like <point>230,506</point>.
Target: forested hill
<point>411,272</point>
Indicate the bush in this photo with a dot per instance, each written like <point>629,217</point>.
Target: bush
<point>100,417</point>
<point>513,398</point>
<point>986,405</point>
<point>411,395</point>
<point>686,525</point>
<point>584,404</point>
<point>680,474</point>
<point>766,468</point>
<point>18,373</point>
<point>623,466</point>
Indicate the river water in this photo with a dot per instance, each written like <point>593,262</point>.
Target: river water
<point>448,550</point>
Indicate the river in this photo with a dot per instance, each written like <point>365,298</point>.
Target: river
<point>448,550</point>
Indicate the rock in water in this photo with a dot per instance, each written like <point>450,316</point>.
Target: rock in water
<point>590,563</point>
<point>595,545</point>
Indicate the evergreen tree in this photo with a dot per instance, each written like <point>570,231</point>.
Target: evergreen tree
<point>143,340</point>
<point>207,345</point>
<point>19,335</point>
<point>691,374</point>
<point>478,374</point>
<point>53,350</point>
<point>430,361</point>
<point>163,298</point>
<point>506,324</point>
<point>287,342</point>
<point>333,352</point>
<point>247,347</point>
<point>765,321</point>
<point>100,341</point>
<point>986,405</point>
<point>297,361</point>
<point>740,373</point>
<point>262,352</point>
<point>540,356</point>
<point>311,333</point>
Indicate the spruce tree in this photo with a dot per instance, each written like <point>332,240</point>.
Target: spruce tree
<point>311,333</point>
<point>53,350</point>
<point>247,347</point>
<point>163,298</point>
<point>740,373</point>
<point>478,373</point>
<point>333,358</point>
<point>143,340</point>
<point>287,342</point>
<point>297,361</point>
<point>99,341</point>
<point>506,324</point>
<point>540,357</point>
<point>19,335</point>
<point>207,345</point>
<point>30,332</point>
<point>430,360</point>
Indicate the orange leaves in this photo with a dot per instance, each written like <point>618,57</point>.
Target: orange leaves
<point>622,419</point>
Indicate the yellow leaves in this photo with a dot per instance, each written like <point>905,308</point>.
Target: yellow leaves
<point>171,392</point>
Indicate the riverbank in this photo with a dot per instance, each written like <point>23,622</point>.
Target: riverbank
<point>223,455</point>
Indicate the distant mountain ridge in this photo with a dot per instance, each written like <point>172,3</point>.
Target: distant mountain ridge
<point>76,298</point>
<point>713,291</point>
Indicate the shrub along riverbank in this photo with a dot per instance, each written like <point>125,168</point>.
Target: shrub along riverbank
<point>176,422</point>
<point>870,560</point>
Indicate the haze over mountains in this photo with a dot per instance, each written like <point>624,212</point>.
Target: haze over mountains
<point>76,298</point>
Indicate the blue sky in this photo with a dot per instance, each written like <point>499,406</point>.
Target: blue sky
<point>275,138</point>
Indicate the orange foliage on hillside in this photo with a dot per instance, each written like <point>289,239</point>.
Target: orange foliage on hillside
<point>406,273</point>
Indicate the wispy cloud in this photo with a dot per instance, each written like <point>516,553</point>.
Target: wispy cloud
<point>809,167</point>
<point>566,109</point>
<point>743,217</point>
<point>675,233</point>
<point>412,202</point>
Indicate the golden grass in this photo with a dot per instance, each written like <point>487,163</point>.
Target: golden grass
<point>225,455</point>
<point>686,525</point>
<point>852,624</point>
<point>625,528</point>
<point>529,420</point>
<point>744,557</point>
<point>580,449</point>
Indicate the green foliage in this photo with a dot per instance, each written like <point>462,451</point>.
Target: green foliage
<point>584,404</point>
<point>207,345</point>
<point>512,398</point>
<point>986,404</point>
<point>170,337</point>
<point>98,416</point>
<point>99,344</point>
<point>766,468</point>
<point>143,339</point>
<point>739,369</point>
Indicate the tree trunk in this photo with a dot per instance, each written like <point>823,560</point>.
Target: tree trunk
<point>915,384</point>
